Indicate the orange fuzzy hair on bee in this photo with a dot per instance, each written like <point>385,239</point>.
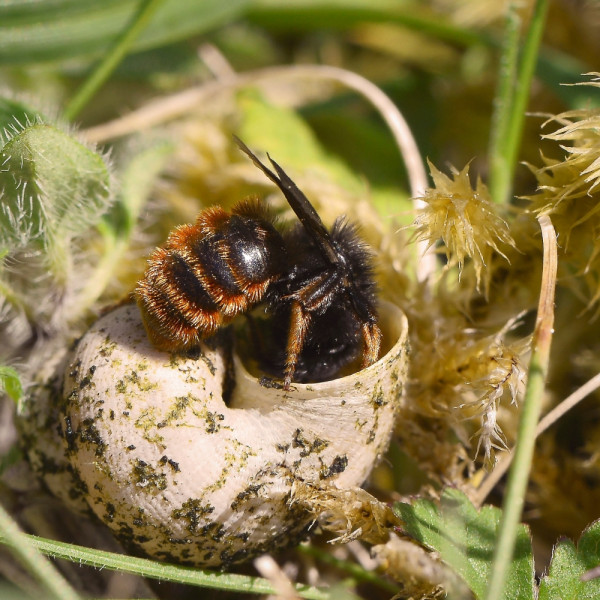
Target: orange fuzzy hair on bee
<point>207,273</point>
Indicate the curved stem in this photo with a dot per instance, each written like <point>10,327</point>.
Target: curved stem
<point>172,107</point>
<point>165,109</point>
<point>538,367</point>
<point>162,571</point>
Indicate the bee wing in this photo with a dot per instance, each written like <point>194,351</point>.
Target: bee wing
<point>300,204</point>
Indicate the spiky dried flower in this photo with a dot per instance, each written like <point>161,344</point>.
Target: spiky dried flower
<point>578,174</point>
<point>466,221</point>
<point>465,377</point>
<point>569,192</point>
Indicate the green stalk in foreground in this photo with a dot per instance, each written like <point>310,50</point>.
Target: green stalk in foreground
<point>519,474</point>
<point>102,72</point>
<point>51,581</point>
<point>161,571</point>
<point>513,95</point>
<point>503,102</point>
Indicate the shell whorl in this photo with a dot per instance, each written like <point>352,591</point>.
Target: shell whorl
<point>180,475</point>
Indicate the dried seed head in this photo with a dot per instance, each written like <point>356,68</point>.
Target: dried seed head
<point>466,221</point>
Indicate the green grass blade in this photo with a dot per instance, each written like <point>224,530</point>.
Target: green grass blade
<point>34,31</point>
<point>108,64</point>
<point>532,404</point>
<point>513,96</point>
<point>527,67</point>
<point>164,571</point>
<point>503,107</point>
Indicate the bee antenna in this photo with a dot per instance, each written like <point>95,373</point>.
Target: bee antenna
<point>257,161</point>
<point>300,204</point>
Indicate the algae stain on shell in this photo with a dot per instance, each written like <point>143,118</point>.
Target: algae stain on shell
<point>179,475</point>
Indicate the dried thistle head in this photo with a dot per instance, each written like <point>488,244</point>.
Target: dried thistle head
<point>577,176</point>
<point>468,367</point>
<point>569,192</point>
<point>466,221</point>
<point>465,378</point>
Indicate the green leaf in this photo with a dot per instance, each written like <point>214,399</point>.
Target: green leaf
<point>52,187</point>
<point>466,539</point>
<point>328,148</point>
<point>266,126</point>
<point>11,383</point>
<point>50,30</point>
<point>569,563</point>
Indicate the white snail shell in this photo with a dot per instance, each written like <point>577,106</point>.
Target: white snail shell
<point>179,475</point>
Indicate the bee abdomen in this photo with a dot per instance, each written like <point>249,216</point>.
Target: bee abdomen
<point>176,306</point>
<point>208,273</point>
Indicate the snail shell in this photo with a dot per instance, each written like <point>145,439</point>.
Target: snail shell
<point>180,475</point>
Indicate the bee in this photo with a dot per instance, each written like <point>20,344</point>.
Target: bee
<point>316,284</point>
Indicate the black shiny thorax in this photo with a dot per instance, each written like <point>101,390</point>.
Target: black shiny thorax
<point>256,249</point>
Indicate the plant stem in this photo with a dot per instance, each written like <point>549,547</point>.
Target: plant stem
<point>53,583</point>
<point>507,72</point>
<point>519,474</point>
<point>510,115</point>
<point>162,571</point>
<point>529,57</point>
<point>103,70</point>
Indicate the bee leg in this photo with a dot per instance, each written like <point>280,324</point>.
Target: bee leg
<point>372,343</point>
<point>299,324</point>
